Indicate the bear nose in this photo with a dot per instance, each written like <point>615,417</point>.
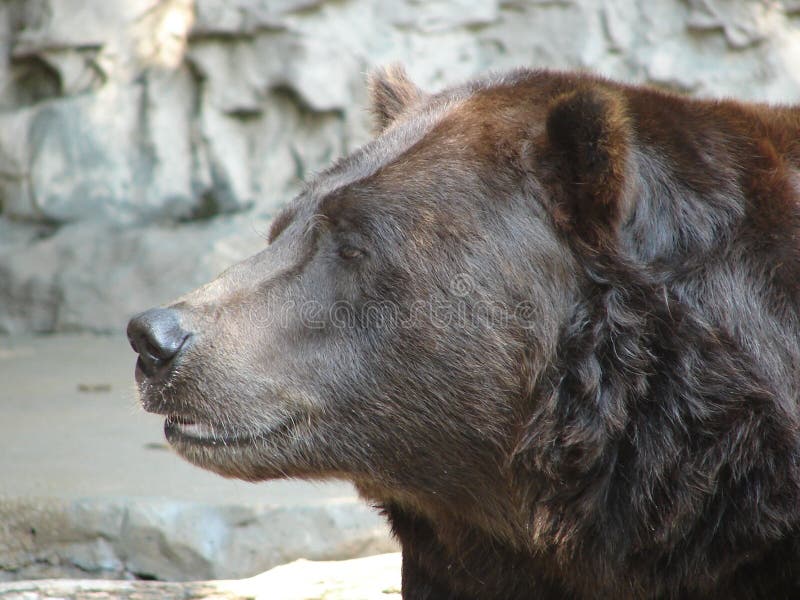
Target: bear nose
<point>157,336</point>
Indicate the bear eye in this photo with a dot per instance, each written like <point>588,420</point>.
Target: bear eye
<point>350,252</point>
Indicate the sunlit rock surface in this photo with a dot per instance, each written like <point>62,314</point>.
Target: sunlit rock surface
<point>373,578</point>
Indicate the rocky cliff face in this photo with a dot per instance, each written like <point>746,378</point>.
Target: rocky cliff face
<point>145,144</point>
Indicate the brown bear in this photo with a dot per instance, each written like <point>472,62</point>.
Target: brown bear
<point>548,323</point>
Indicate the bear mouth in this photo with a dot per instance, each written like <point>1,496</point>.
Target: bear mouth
<point>179,429</point>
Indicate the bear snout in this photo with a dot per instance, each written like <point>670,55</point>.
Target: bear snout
<point>158,337</point>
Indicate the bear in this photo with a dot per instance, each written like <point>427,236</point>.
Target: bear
<point>546,322</point>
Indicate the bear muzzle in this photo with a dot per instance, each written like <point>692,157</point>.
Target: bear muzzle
<point>157,336</point>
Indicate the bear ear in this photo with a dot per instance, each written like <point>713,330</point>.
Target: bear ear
<point>391,93</point>
<point>588,139</point>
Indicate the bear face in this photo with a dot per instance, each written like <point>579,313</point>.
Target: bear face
<point>396,262</point>
<point>544,320</point>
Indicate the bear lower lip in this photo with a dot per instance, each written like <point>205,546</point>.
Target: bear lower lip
<point>186,428</point>
<point>182,429</point>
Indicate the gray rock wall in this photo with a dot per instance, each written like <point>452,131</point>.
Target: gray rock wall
<point>145,144</point>
<point>170,540</point>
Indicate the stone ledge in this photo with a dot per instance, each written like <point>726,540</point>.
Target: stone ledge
<point>373,578</point>
<point>169,540</point>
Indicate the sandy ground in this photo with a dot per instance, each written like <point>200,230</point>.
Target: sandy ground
<point>71,427</point>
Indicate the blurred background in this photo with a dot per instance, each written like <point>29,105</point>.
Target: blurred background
<point>144,147</point>
<point>144,144</point>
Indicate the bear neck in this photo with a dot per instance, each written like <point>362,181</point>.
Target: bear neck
<point>658,430</point>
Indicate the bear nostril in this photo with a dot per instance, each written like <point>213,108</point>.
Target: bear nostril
<point>157,336</point>
<point>154,350</point>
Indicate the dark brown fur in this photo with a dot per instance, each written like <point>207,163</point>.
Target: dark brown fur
<point>548,323</point>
